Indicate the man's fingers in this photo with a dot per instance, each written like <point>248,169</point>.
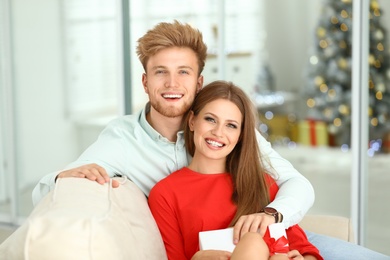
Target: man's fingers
<point>97,175</point>
<point>115,184</point>
<point>257,222</point>
<point>92,172</point>
<point>238,229</point>
<point>262,228</point>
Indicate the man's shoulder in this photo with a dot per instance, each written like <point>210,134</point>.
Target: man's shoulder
<point>126,121</point>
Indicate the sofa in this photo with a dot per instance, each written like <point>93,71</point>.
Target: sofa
<point>81,219</point>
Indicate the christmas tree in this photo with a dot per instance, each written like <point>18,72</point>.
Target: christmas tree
<point>328,88</point>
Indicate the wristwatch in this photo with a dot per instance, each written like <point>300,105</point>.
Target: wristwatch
<point>273,212</point>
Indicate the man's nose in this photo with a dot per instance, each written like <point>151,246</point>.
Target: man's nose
<point>171,81</point>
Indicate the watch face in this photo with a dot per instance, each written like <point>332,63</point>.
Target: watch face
<point>270,211</point>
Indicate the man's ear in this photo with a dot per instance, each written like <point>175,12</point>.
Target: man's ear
<point>191,119</point>
<point>199,83</point>
<point>145,83</point>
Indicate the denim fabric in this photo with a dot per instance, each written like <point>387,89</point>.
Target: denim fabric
<point>337,249</point>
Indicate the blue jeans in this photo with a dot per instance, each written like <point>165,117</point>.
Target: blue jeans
<point>337,249</point>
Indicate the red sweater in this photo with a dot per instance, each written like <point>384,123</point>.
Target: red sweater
<point>187,202</point>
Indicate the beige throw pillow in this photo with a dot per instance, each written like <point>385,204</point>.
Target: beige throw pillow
<point>81,219</point>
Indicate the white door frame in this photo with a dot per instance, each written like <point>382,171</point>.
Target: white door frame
<point>8,173</point>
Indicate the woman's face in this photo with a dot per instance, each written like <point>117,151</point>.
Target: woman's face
<point>217,129</point>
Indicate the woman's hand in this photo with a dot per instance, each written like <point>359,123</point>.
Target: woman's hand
<point>91,172</point>
<point>292,255</point>
<point>257,222</point>
<point>212,255</point>
<point>295,255</point>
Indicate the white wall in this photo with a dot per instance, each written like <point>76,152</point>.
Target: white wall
<point>290,27</point>
<point>41,125</point>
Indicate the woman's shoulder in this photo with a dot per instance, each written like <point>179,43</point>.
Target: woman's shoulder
<point>171,179</point>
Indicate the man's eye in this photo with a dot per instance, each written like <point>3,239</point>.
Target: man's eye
<point>183,72</point>
<point>160,71</point>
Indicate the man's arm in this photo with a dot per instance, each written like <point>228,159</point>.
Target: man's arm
<point>104,156</point>
<point>296,194</point>
<point>44,186</point>
<point>90,171</point>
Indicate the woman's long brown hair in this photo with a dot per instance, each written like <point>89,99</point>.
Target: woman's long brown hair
<point>250,192</point>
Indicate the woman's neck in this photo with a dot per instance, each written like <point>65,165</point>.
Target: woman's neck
<point>207,165</point>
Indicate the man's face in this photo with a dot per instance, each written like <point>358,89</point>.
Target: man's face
<point>171,81</point>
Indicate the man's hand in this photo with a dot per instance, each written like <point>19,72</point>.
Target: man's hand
<point>91,171</point>
<point>212,255</point>
<point>257,222</point>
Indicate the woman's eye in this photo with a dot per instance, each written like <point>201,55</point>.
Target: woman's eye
<point>232,126</point>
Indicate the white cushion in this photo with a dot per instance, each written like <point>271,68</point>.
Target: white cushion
<point>81,219</point>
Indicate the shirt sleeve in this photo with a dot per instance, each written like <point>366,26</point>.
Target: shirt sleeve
<point>296,194</point>
<point>167,222</point>
<point>44,186</point>
<point>107,151</point>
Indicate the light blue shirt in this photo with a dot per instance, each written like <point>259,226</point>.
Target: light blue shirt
<point>130,146</point>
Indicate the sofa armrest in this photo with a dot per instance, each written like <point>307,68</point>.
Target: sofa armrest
<point>334,226</point>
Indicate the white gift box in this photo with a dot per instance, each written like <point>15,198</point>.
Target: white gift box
<point>222,239</point>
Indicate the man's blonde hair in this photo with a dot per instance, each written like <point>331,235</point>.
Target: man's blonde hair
<point>166,35</point>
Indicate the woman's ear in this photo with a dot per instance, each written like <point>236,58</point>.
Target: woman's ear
<point>191,120</point>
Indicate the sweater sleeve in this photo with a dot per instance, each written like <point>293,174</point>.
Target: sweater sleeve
<point>298,241</point>
<point>296,194</point>
<point>167,222</point>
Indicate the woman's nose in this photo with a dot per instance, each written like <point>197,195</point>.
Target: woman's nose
<point>217,131</point>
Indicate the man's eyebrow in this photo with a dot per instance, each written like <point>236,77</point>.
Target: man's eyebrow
<point>158,67</point>
<point>186,67</point>
<point>164,67</point>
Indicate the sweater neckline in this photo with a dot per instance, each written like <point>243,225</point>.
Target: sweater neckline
<point>188,170</point>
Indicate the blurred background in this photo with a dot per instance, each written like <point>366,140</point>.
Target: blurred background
<point>67,67</point>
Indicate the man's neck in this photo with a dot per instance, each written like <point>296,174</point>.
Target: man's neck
<point>166,126</point>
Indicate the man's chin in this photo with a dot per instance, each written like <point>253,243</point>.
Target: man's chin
<point>173,114</point>
<point>172,111</point>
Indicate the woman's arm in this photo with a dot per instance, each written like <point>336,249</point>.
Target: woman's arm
<point>164,214</point>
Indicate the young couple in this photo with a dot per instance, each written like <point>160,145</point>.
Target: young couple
<point>149,145</point>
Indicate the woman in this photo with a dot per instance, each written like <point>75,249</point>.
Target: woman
<point>224,181</point>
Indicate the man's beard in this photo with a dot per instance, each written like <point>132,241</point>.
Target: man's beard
<point>170,111</point>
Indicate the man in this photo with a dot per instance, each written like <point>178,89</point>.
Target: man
<point>149,145</point>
